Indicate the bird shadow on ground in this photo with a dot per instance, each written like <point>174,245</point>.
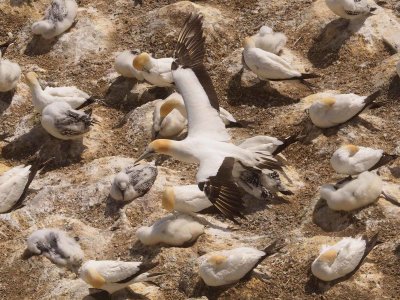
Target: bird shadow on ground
<point>396,251</point>
<point>394,88</point>
<point>326,47</point>
<point>256,95</point>
<point>20,2</point>
<point>395,171</point>
<point>330,220</point>
<point>113,207</point>
<point>96,294</point>
<point>57,152</point>
<point>212,293</point>
<point>39,45</point>
<point>148,252</point>
<point>5,100</point>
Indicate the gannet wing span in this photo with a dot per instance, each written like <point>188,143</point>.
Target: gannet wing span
<point>221,189</point>
<point>195,85</point>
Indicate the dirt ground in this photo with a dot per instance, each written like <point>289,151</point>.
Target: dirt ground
<point>274,112</point>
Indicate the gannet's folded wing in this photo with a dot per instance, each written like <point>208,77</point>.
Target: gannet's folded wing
<point>66,91</point>
<point>57,11</point>
<point>195,85</point>
<point>74,122</point>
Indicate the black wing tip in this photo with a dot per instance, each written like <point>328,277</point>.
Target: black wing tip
<point>372,97</point>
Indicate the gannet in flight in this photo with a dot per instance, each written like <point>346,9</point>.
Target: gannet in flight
<point>223,165</point>
<point>329,109</point>
<point>59,17</point>
<point>157,71</point>
<point>174,230</point>
<point>343,258</point>
<point>57,246</point>
<point>133,182</point>
<point>353,194</point>
<point>350,9</point>
<point>229,266</point>
<point>68,94</point>
<point>10,72</point>
<point>270,41</point>
<point>352,159</point>
<point>123,65</point>
<point>114,275</point>
<point>170,118</point>
<point>65,123</point>
<point>269,66</point>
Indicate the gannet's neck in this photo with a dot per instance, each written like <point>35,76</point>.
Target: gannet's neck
<point>179,150</point>
<point>38,95</point>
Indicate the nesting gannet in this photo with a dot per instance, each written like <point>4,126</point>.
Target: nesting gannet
<point>13,186</point>
<point>341,259</point>
<point>353,194</point>
<point>174,230</point>
<point>123,65</point>
<point>57,246</point>
<point>41,98</point>
<point>329,109</point>
<point>269,66</point>
<point>207,142</point>
<point>229,266</point>
<point>352,160</point>
<point>185,198</point>
<point>270,41</point>
<point>350,9</point>
<point>157,71</point>
<point>65,123</point>
<point>113,275</point>
<point>170,117</point>
<point>133,182</point>
<point>268,143</point>
<point>10,72</point>
<point>59,17</point>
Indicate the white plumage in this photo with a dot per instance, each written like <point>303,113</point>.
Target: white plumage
<point>185,198</point>
<point>10,74</point>
<point>123,65</point>
<point>133,182</point>
<point>41,98</point>
<point>228,266</point>
<point>267,65</point>
<point>65,123</point>
<point>157,71</point>
<point>270,41</point>
<point>59,17</point>
<point>113,275</point>
<point>353,194</point>
<point>12,186</point>
<point>174,230</point>
<point>261,143</point>
<point>338,260</point>
<point>352,160</point>
<point>57,246</point>
<point>350,9</point>
<point>329,109</point>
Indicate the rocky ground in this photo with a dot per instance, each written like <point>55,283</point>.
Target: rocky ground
<point>72,192</point>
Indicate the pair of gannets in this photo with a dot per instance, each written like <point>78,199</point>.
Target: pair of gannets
<point>10,72</point>
<point>64,251</point>
<point>157,71</point>
<point>123,65</point>
<point>170,117</point>
<point>270,41</point>
<point>133,182</point>
<point>59,17</point>
<point>221,163</point>
<point>352,159</point>
<point>269,66</point>
<point>350,9</point>
<point>229,266</point>
<point>174,230</point>
<point>342,259</point>
<point>329,109</point>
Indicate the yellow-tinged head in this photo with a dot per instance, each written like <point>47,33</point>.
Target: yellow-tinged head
<point>328,256</point>
<point>353,149</point>
<point>141,61</point>
<point>217,259</point>
<point>168,198</point>
<point>32,78</point>
<point>328,101</point>
<point>168,106</point>
<point>160,146</point>
<point>248,42</point>
<point>94,278</point>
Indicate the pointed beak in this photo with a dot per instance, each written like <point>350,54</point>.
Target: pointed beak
<point>145,154</point>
